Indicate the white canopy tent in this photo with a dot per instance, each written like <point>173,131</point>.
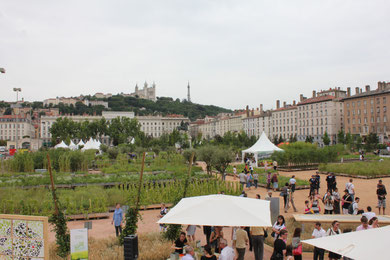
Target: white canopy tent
<point>220,210</point>
<point>61,145</point>
<point>91,144</point>
<point>360,245</point>
<point>263,146</point>
<point>81,143</point>
<point>72,146</point>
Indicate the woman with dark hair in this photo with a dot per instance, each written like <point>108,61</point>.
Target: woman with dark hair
<point>373,222</point>
<point>332,231</point>
<point>208,254</point>
<point>296,244</point>
<point>279,225</point>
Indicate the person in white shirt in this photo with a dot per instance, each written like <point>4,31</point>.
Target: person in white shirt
<point>317,233</point>
<point>227,252</point>
<point>369,214</point>
<point>364,225</point>
<point>355,206</point>
<point>292,182</point>
<point>234,172</point>
<point>189,253</point>
<point>351,188</point>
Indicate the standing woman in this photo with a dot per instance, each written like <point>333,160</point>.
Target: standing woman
<point>215,237</point>
<point>117,219</point>
<point>163,212</point>
<point>332,231</point>
<point>278,226</point>
<point>285,193</point>
<point>296,244</point>
<point>275,181</point>
<point>336,201</point>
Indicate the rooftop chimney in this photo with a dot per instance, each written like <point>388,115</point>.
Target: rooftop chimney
<point>314,93</point>
<point>348,92</point>
<point>367,88</point>
<point>277,104</point>
<point>284,104</point>
<point>253,111</point>
<point>361,90</point>
<point>301,97</point>
<point>261,108</point>
<point>294,103</point>
<point>380,85</point>
<point>247,111</point>
<point>357,90</point>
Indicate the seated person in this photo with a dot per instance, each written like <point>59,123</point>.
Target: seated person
<point>180,243</point>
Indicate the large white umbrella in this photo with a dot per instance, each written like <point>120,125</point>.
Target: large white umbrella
<point>220,210</point>
<point>360,245</point>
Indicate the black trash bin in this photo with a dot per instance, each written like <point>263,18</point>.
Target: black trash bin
<point>130,247</point>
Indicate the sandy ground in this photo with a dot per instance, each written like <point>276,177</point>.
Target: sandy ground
<point>365,189</point>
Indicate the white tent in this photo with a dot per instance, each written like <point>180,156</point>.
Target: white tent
<point>61,145</point>
<point>359,245</point>
<point>72,146</point>
<point>220,210</point>
<point>263,146</point>
<point>91,144</point>
<point>81,143</point>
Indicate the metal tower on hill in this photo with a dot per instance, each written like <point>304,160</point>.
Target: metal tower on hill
<point>188,92</point>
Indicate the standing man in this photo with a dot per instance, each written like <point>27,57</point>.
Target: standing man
<point>257,234</point>
<point>234,172</point>
<point>330,180</point>
<point>336,201</point>
<point>317,233</point>
<point>207,233</point>
<point>227,252</point>
<point>313,184</point>
<point>351,188</point>
<point>318,181</point>
<point>255,179</point>
<point>117,219</point>
<point>241,242</point>
<point>292,182</point>
<point>381,192</point>
<point>242,177</point>
<point>280,246</point>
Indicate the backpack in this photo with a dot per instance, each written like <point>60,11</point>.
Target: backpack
<point>350,208</point>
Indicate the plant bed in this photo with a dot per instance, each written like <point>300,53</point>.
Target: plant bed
<point>364,170</point>
<point>293,169</point>
<point>355,176</point>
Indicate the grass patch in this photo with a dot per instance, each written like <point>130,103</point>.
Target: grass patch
<point>373,169</point>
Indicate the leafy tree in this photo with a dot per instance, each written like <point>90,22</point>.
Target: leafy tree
<point>8,111</point>
<point>309,139</point>
<point>341,137</point>
<point>281,140</point>
<point>372,141</point>
<point>326,139</point>
<point>221,159</point>
<point>205,153</point>
<point>275,140</point>
<point>122,129</point>
<point>63,129</point>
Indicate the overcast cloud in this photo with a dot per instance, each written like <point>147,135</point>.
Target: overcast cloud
<point>233,53</point>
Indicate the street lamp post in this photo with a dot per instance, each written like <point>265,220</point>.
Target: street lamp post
<point>17,90</point>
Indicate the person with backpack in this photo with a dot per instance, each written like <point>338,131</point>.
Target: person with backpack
<point>346,201</point>
<point>351,188</point>
<point>353,209</point>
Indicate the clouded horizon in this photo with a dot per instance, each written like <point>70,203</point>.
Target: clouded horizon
<point>233,53</point>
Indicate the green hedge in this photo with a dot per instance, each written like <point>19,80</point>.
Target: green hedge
<point>359,168</point>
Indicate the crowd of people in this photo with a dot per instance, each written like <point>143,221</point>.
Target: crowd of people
<point>332,202</point>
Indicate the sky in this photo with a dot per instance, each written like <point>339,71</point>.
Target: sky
<point>233,53</point>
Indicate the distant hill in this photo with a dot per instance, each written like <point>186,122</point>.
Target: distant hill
<point>163,105</point>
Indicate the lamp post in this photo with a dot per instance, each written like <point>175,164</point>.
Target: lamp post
<point>17,90</point>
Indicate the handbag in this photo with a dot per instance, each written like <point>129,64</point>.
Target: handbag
<point>265,233</point>
<point>298,250</point>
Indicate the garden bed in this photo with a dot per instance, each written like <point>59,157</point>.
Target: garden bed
<point>355,176</point>
<point>363,170</point>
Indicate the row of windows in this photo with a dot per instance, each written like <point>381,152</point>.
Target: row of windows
<point>279,115</point>
<point>365,129</point>
<point>13,120</point>
<point>312,114</point>
<point>284,128</point>
<point>378,101</point>
<point>162,123</point>
<point>318,122</point>
<point>306,107</point>
<point>372,120</point>
<point>317,131</point>
<point>358,111</point>
<point>11,126</point>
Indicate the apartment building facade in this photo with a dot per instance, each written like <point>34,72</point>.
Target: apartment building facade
<point>367,112</point>
<point>319,114</point>
<point>17,130</point>
<point>284,120</point>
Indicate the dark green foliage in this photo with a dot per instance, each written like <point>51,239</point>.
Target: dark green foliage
<point>309,139</point>
<point>341,137</point>
<point>62,234</point>
<point>326,139</point>
<point>130,228</point>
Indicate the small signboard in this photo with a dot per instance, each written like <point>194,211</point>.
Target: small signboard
<point>88,225</point>
<point>79,244</point>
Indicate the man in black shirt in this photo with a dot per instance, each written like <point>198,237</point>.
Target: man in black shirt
<point>280,246</point>
<point>313,185</point>
<point>381,192</point>
<point>180,243</point>
<point>331,182</point>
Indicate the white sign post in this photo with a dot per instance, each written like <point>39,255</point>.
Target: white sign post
<point>79,244</point>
